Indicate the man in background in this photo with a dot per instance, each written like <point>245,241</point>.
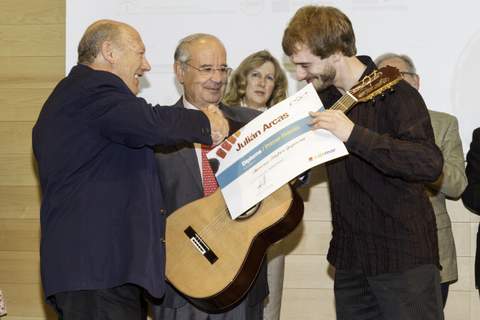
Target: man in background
<point>384,235</point>
<point>471,196</point>
<point>184,173</point>
<point>103,213</point>
<point>451,182</point>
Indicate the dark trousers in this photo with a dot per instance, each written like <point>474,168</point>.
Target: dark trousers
<point>410,295</point>
<point>118,303</point>
<point>445,288</point>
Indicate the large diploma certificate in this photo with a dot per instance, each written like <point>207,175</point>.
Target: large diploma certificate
<point>271,150</point>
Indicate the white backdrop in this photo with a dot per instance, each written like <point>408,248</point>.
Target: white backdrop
<point>443,39</point>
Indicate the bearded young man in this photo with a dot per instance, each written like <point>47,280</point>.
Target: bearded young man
<point>384,245</point>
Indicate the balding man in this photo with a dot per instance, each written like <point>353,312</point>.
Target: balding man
<point>103,213</point>
<point>201,68</point>
<point>451,182</point>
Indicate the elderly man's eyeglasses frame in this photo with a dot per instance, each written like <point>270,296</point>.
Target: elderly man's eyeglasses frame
<point>210,71</point>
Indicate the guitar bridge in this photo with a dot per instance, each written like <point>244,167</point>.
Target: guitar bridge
<point>200,245</point>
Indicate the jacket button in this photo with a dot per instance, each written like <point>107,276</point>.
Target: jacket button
<point>162,211</point>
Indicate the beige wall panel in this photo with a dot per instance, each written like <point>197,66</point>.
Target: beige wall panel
<point>31,72</point>
<point>32,11</point>
<point>17,170</point>
<point>313,238</point>
<point>461,234</point>
<point>458,306</point>
<point>308,272</point>
<point>19,202</point>
<point>466,274</point>
<point>458,212</point>
<point>474,305</point>
<point>308,304</point>
<point>32,40</point>
<point>22,104</point>
<point>474,229</point>
<point>16,137</point>
<point>317,204</point>
<point>19,235</point>
<point>19,267</point>
<point>25,300</point>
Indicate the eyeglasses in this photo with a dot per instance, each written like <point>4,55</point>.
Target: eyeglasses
<point>210,71</point>
<point>404,73</point>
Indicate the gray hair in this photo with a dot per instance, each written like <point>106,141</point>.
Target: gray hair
<point>93,38</point>
<point>403,57</point>
<point>182,52</point>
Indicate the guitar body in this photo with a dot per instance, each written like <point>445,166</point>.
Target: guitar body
<point>212,259</point>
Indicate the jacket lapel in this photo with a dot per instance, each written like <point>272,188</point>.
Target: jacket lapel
<point>189,157</point>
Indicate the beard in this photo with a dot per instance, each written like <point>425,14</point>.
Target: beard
<point>325,79</point>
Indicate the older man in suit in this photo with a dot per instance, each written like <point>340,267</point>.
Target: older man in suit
<point>201,67</point>
<point>451,183</point>
<point>102,215</point>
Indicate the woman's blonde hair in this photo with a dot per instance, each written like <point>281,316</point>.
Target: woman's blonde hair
<point>238,81</point>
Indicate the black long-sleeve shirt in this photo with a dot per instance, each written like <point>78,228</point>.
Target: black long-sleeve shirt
<point>382,218</point>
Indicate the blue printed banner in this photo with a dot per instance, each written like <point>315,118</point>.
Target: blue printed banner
<point>271,150</point>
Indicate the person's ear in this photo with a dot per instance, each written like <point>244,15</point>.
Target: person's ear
<point>179,70</point>
<point>417,81</point>
<point>108,52</point>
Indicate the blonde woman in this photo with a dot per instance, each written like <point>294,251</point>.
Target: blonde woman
<point>259,82</point>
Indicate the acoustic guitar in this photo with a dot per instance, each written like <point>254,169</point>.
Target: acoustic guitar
<point>212,259</point>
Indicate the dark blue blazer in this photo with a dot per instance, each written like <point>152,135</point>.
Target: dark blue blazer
<point>102,213</point>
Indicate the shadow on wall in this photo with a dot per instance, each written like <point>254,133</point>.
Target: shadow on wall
<point>465,104</point>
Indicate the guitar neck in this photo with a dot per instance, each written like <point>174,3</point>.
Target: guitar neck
<point>345,103</point>
<point>368,88</point>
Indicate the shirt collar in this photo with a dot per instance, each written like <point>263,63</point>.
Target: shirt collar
<point>188,105</point>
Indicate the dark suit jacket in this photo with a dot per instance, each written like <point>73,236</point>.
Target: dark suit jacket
<point>182,183</point>
<point>101,215</point>
<point>471,195</point>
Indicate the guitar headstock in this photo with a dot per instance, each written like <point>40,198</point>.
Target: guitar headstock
<point>375,83</point>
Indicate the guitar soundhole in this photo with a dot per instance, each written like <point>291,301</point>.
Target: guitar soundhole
<point>250,212</point>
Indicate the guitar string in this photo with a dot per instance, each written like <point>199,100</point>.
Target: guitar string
<point>215,225</point>
<point>344,103</point>
<point>204,232</point>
